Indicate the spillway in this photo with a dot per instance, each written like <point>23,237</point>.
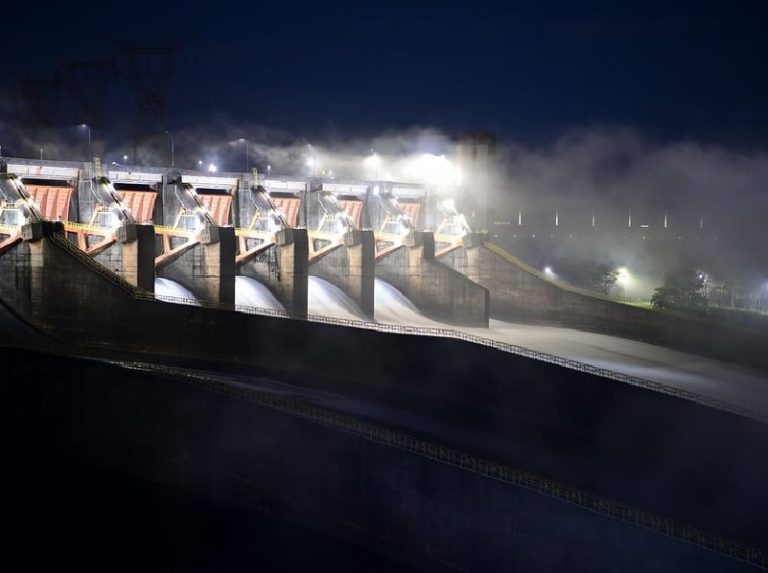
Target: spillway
<point>171,291</point>
<point>250,292</point>
<point>392,306</point>
<point>326,299</point>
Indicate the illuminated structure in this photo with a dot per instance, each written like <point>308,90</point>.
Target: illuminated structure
<point>203,230</point>
<point>207,229</point>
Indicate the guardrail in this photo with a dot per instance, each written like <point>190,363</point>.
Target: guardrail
<point>76,253</point>
<point>423,331</point>
<point>433,451</point>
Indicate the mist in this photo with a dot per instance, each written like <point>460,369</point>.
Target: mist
<point>599,180</point>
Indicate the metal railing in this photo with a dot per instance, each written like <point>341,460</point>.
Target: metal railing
<point>425,331</point>
<point>487,468</point>
<point>549,358</point>
<point>101,270</point>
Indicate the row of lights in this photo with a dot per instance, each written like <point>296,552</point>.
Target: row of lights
<point>432,167</point>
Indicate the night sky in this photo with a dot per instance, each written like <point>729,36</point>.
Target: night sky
<point>652,107</point>
<point>528,71</point>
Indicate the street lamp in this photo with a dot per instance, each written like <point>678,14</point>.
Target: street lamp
<point>247,159</point>
<point>86,127</point>
<point>173,158</point>
<point>312,161</point>
<point>269,170</point>
<point>374,161</point>
<point>623,278</point>
<point>212,168</point>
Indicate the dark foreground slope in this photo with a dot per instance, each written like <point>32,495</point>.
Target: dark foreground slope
<point>110,466</point>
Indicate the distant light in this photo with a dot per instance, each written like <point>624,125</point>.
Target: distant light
<point>212,168</point>
<point>373,160</point>
<point>432,169</point>
<point>622,276</point>
<point>125,158</point>
<point>548,270</point>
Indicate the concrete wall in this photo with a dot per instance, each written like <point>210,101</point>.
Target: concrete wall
<point>351,267</point>
<point>413,510</point>
<point>208,270</point>
<point>437,290</point>
<point>519,295</point>
<point>133,259</point>
<point>284,269</point>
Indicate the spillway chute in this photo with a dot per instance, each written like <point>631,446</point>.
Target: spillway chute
<point>326,299</point>
<point>167,290</point>
<point>393,307</point>
<point>253,294</point>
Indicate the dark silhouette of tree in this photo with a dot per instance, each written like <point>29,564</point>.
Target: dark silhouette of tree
<point>602,278</point>
<point>683,290</point>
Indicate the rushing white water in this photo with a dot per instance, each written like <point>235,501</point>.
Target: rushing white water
<point>171,291</point>
<point>250,292</point>
<point>393,307</point>
<point>677,369</point>
<point>326,299</point>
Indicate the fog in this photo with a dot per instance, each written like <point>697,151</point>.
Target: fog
<point>600,195</point>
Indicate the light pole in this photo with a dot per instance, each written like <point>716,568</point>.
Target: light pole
<point>87,127</point>
<point>374,161</point>
<point>269,169</point>
<point>41,154</point>
<point>173,158</point>
<point>623,278</point>
<point>312,161</point>
<point>247,157</point>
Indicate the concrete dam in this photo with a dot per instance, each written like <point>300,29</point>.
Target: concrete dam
<point>91,257</point>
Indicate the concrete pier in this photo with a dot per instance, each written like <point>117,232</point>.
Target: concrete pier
<point>132,256</point>
<point>437,290</point>
<point>351,267</point>
<point>270,250</point>
<point>194,250</point>
<point>283,269</point>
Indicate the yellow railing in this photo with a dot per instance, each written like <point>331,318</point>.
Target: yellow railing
<point>84,227</point>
